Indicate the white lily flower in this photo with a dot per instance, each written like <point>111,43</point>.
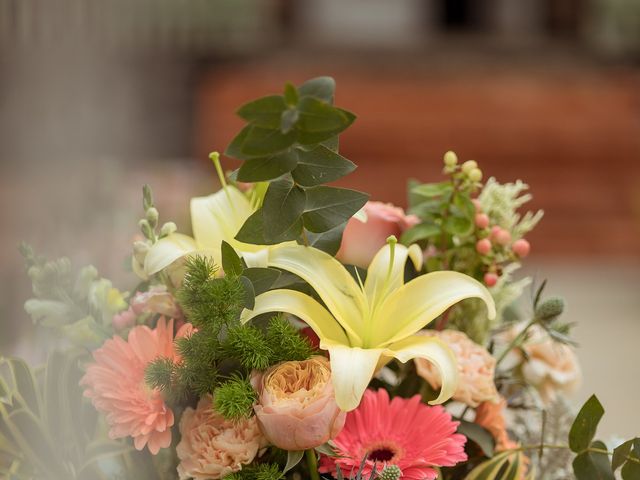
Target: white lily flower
<point>364,326</point>
<point>214,218</point>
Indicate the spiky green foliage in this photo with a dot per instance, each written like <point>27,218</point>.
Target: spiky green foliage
<point>286,342</point>
<point>265,471</point>
<point>209,302</point>
<point>234,398</point>
<point>213,306</point>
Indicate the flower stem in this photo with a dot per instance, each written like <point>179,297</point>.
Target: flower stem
<point>516,341</point>
<point>312,463</point>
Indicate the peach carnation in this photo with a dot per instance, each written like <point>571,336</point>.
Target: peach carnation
<point>490,416</point>
<point>548,365</point>
<point>296,408</point>
<point>213,447</point>
<point>476,367</point>
<point>116,386</point>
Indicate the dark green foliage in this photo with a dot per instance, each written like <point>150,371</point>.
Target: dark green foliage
<point>291,141</point>
<point>213,305</point>
<point>234,398</point>
<point>264,471</point>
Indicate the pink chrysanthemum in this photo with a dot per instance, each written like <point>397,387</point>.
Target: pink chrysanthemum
<point>116,386</point>
<point>402,432</point>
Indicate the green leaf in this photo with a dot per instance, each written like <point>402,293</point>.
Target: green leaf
<point>234,149</point>
<point>260,141</point>
<point>328,207</point>
<point>326,449</point>
<point>249,293</point>
<point>465,206</point>
<point>318,116</point>
<point>289,119</point>
<point>620,454</point>
<point>25,384</point>
<point>488,470</point>
<point>419,232</point>
<point>322,88</point>
<point>585,425</point>
<point>231,262</point>
<point>332,144</point>
<point>328,241</point>
<point>478,435</point>
<point>261,278</point>
<point>264,112</point>
<point>631,469</point>
<point>320,165</point>
<point>593,466</point>
<point>293,459</point>
<point>429,190</point>
<point>252,230</point>
<point>290,94</point>
<point>459,226</point>
<point>267,168</point>
<point>283,205</point>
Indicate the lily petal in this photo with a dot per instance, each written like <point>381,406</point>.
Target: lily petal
<point>414,305</point>
<point>351,371</point>
<point>434,350</point>
<point>338,290</point>
<point>378,276</point>
<point>167,250</point>
<point>303,306</point>
<point>219,217</point>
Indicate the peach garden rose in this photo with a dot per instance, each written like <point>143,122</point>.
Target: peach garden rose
<point>362,239</point>
<point>212,447</point>
<point>296,409</point>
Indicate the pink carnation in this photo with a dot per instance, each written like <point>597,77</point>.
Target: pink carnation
<point>213,447</point>
<point>402,432</point>
<point>476,367</point>
<point>116,386</point>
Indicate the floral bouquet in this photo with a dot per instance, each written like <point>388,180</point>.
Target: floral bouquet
<point>305,332</point>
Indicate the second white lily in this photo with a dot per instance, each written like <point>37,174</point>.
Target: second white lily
<point>364,326</point>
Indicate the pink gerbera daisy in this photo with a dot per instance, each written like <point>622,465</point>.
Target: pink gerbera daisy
<point>116,386</point>
<point>402,432</point>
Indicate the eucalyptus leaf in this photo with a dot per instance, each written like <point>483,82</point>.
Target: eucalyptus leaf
<point>261,141</point>
<point>290,94</point>
<point>478,435</point>
<point>264,112</point>
<point>631,469</point>
<point>262,278</point>
<point>293,459</point>
<point>318,116</point>
<point>322,88</point>
<point>268,168</point>
<point>328,241</point>
<point>320,165</point>
<point>620,454</point>
<point>252,231</point>
<point>231,263</point>
<point>283,205</point>
<point>419,232</point>
<point>288,119</point>
<point>249,293</point>
<point>234,150</point>
<point>593,465</point>
<point>328,207</point>
<point>585,425</point>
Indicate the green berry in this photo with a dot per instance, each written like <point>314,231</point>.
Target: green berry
<point>550,308</point>
<point>450,159</point>
<point>475,175</point>
<point>468,166</point>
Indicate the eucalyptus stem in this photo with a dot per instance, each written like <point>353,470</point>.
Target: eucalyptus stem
<point>515,341</point>
<point>312,463</point>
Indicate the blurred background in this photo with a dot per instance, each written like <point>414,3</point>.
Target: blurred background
<point>97,98</point>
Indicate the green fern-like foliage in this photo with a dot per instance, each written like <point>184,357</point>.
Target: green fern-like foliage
<point>221,344</point>
<point>265,471</point>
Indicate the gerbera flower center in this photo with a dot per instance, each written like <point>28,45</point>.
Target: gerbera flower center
<point>384,452</point>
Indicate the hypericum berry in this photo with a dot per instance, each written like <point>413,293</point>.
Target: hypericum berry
<point>468,166</point>
<point>503,237</point>
<point>475,175</point>
<point>477,204</point>
<point>482,220</point>
<point>490,279</point>
<point>521,248</point>
<point>495,230</point>
<point>450,159</point>
<point>483,246</point>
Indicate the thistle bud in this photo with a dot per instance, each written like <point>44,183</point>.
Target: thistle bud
<point>450,159</point>
<point>550,308</point>
<point>168,228</point>
<point>468,166</point>
<point>152,216</point>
